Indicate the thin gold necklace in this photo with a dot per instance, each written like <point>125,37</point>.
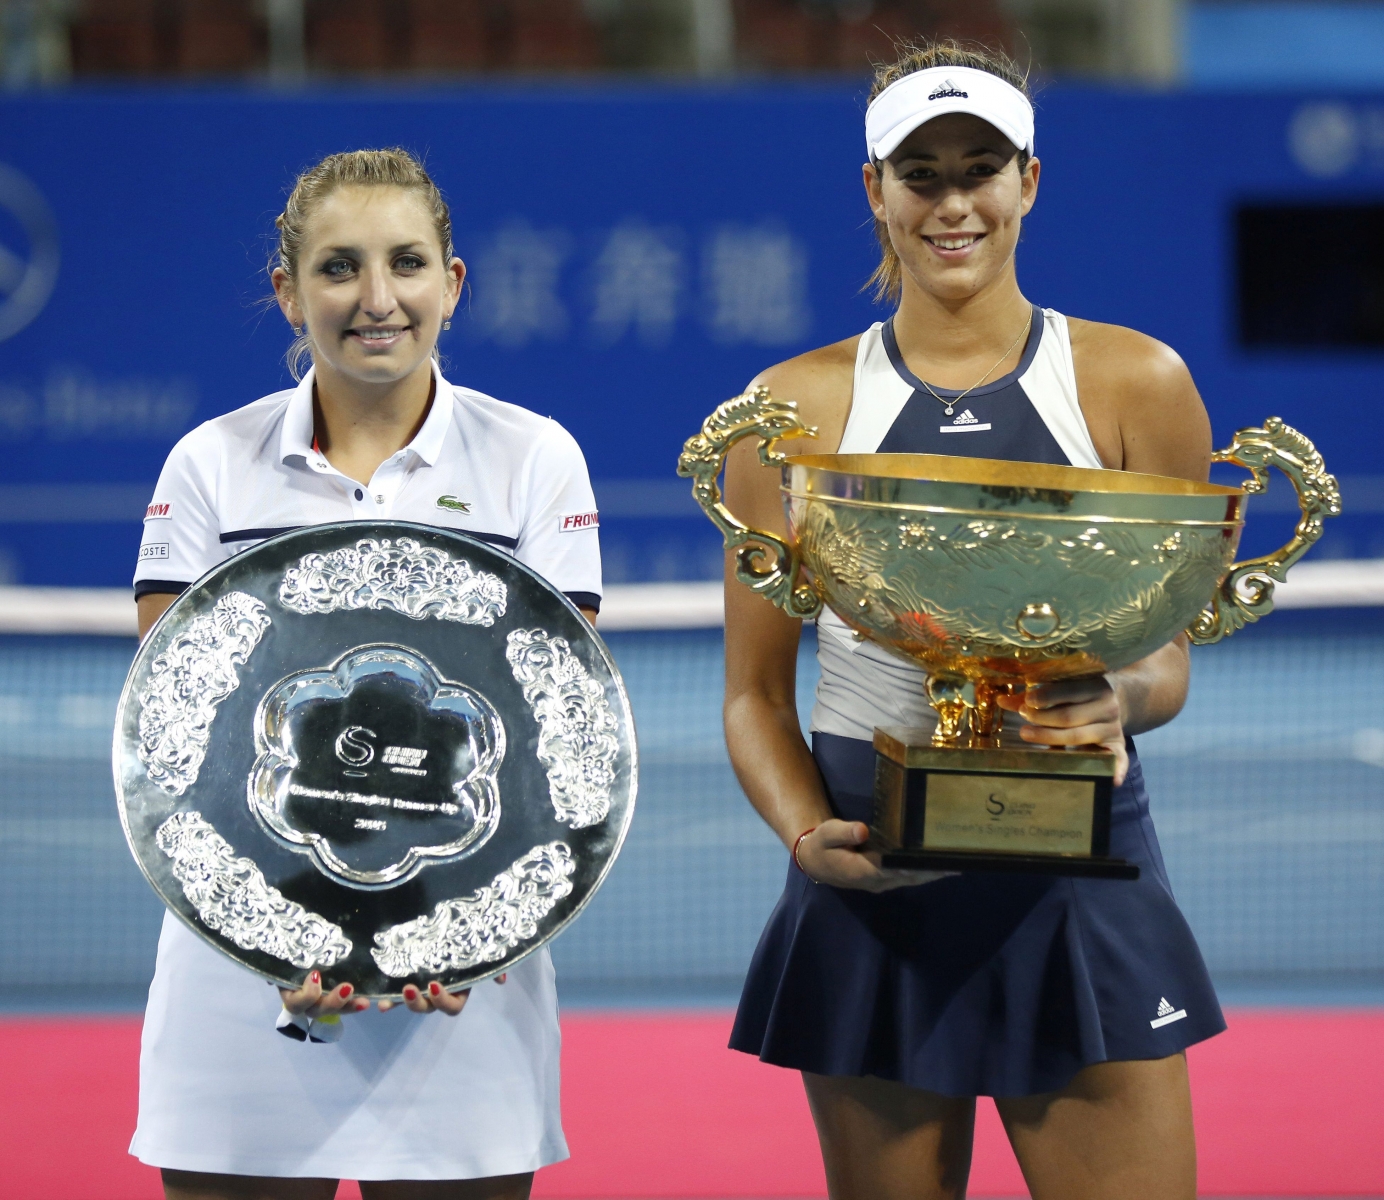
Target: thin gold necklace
<point>950,405</point>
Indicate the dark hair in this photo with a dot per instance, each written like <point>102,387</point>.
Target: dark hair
<point>393,167</point>
<point>887,280</point>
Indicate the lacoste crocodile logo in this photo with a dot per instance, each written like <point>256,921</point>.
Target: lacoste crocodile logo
<point>452,504</point>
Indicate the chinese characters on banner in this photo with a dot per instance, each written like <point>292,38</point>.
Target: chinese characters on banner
<point>742,284</point>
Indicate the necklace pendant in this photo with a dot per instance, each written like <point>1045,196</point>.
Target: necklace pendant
<point>949,410</point>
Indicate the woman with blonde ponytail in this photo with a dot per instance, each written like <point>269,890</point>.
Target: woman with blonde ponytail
<point>246,1092</point>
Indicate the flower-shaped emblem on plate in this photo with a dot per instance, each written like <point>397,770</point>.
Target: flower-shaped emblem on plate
<point>376,766</point>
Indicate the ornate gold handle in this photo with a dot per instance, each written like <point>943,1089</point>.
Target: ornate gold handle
<point>1246,592</point>
<point>704,454</point>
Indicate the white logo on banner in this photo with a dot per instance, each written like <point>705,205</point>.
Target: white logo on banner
<point>27,271</point>
<point>637,283</point>
<point>756,285</point>
<point>1324,139</point>
<point>515,277</point>
<point>73,403</point>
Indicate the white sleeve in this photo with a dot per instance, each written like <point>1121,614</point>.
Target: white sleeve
<point>182,535</point>
<point>559,537</point>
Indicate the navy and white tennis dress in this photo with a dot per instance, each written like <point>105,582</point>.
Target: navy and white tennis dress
<point>976,984</point>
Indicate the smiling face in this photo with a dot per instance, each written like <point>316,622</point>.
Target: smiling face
<point>371,284</point>
<point>952,198</point>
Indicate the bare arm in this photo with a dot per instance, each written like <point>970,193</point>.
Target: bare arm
<point>151,608</point>
<point>765,741</point>
<point>767,750</point>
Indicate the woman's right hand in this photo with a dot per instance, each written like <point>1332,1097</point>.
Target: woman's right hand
<point>309,1000</point>
<point>835,854</point>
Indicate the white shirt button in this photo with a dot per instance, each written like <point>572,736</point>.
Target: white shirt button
<point>379,499</point>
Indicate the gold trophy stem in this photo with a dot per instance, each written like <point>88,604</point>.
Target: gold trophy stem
<point>987,717</point>
<point>947,695</point>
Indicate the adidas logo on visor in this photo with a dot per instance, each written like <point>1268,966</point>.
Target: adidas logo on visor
<point>948,88</point>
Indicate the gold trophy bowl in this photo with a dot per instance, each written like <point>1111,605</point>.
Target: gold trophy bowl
<point>992,575</point>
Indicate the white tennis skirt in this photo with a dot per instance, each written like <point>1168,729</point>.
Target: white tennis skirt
<point>400,1096</point>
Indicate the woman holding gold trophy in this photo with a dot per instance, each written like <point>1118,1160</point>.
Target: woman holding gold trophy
<point>901,995</point>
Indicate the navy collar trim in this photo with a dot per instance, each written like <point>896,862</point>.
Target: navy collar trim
<point>1035,336</point>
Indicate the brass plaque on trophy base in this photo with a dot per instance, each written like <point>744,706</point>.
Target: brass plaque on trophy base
<point>993,808</point>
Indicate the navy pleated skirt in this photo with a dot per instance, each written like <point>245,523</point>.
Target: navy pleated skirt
<point>977,984</point>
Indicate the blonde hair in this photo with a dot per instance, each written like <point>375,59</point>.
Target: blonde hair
<point>392,167</point>
<point>887,279</point>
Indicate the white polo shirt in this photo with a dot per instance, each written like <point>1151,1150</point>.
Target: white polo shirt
<point>482,467</point>
<point>400,1096</point>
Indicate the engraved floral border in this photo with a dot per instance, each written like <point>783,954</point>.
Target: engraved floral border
<point>400,576</point>
<point>187,682</point>
<point>233,898</point>
<point>577,743</point>
<point>484,926</point>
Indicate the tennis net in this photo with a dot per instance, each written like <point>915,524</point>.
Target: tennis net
<point>1268,794</point>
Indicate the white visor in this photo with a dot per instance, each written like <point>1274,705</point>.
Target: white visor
<point>918,98</point>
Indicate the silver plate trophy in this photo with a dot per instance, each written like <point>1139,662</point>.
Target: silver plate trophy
<point>385,751</point>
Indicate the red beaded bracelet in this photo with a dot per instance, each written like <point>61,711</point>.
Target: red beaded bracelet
<point>797,862</point>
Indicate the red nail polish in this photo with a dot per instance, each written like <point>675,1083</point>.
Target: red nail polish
<point>346,990</point>
<point>434,989</point>
<point>410,992</point>
<point>315,977</point>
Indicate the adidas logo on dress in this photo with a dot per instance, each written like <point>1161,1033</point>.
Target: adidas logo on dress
<point>967,422</point>
<point>1167,1014</point>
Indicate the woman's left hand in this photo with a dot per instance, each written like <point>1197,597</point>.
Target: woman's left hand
<point>434,998</point>
<point>1074,712</point>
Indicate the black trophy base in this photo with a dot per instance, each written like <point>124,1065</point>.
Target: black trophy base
<point>1022,864</point>
<point>1010,808</point>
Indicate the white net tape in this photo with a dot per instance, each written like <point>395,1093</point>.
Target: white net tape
<point>1342,583</point>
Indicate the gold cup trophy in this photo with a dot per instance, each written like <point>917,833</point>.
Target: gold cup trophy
<point>992,575</point>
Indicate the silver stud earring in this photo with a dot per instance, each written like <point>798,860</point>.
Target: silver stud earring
<point>298,331</point>
<point>447,324</point>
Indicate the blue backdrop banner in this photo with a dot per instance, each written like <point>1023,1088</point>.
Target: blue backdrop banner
<point>636,255</point>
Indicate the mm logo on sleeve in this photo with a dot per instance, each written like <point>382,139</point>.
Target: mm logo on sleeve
<point>571,522</point>
<point>159,512</point>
